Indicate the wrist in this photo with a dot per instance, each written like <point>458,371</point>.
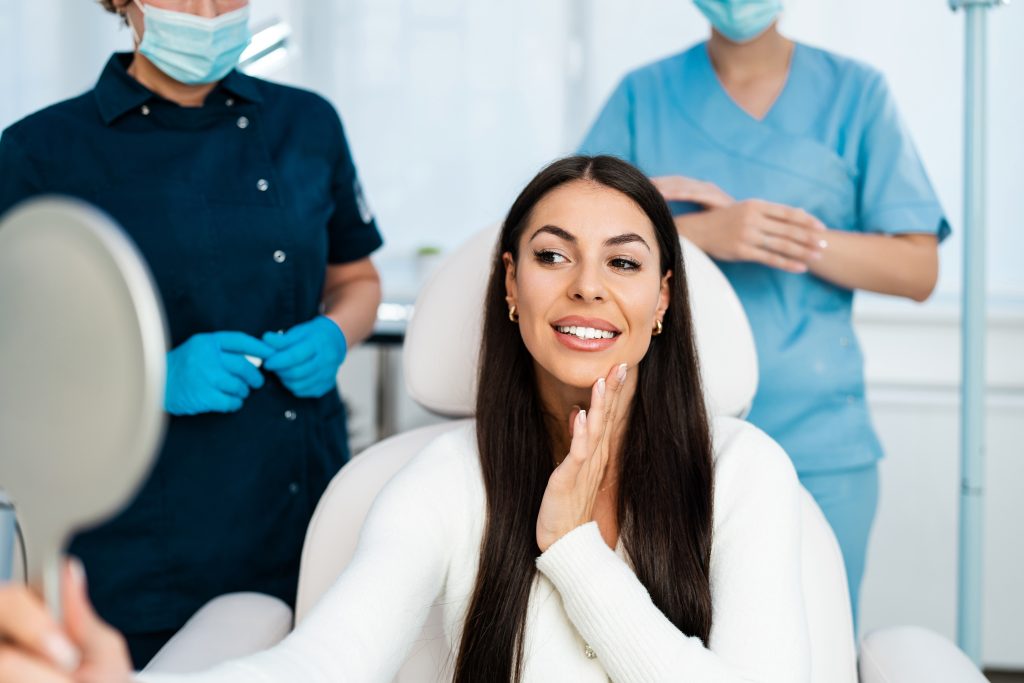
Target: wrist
<point>337,336</point>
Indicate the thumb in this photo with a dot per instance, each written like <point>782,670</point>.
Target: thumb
<point>79,617</point>
<point>104,654</point>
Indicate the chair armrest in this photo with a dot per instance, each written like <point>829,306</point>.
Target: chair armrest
<point>227,627</point>
<point>910,654</point>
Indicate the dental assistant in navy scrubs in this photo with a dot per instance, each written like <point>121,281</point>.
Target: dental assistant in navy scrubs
<point>790,166</point>
<point>243,198</point>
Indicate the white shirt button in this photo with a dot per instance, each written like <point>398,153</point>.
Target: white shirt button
<point>280,256</point>
<point>851,399</point>
<point>293,488</point>
<point>145,110</point>
<point>230,102</point>
<point>844,341</point>
<point>243,122</point>
<point>262,185</point>
<point>290,415</point>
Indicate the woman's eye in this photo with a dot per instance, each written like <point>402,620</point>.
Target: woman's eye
<point>546,256</point>
<point>625,264</point>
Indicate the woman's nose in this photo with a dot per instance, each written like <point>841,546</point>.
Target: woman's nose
<point>587,285</point>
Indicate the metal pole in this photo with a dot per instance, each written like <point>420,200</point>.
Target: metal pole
<point>972,408</point>
<point>7,536</point>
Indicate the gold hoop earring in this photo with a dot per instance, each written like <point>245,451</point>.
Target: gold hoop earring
<point>658,327</point>
<point>512,315</point>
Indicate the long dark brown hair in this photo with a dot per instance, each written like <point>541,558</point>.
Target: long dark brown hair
<point>666,471</point>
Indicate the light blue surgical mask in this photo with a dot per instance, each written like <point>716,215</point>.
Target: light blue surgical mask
<point>193,49</point>
<point>740,20</point>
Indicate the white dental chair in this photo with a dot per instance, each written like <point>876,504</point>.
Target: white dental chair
<point>440,369</point>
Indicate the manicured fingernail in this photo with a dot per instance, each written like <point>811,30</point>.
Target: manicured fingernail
<point>61,651</point>
<point>823,244</point>
<point>600,386</point>
<point>622,372</point>
<point>582,417</point>
<point>77,571</point>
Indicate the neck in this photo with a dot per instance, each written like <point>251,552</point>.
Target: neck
<point>182,94</point>
<point>768,53</point>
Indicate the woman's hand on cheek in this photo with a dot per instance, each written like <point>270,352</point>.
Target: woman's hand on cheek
<point>35,649</point>
<point>573,487</point>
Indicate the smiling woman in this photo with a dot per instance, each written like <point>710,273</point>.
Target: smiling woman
<point>587,528</point>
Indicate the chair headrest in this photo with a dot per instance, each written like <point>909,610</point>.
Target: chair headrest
<point>442,341</point>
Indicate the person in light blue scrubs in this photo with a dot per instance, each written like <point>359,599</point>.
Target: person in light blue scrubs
<point>790,166</point>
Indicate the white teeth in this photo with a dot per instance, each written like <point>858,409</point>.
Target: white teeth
<point>586,332</point>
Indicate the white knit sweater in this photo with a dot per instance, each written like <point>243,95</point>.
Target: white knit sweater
<point>420,546</point>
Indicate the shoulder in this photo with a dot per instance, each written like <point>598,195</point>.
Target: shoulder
<point>447,465</point>
<point>41,126</point>
<point>749,464</point>
<point>312,106</point>
<point>855,83</point>
<point>653,76</point>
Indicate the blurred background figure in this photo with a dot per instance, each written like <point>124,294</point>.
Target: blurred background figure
<point>258,236</point>
<point>790,166</point>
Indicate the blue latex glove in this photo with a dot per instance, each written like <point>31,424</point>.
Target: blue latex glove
<point>307,356</point>
<point>210,374</point>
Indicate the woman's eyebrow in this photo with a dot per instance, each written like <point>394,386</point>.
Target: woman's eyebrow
<point>626,239</point>
<point>561,233</point>
<point>556,231</point>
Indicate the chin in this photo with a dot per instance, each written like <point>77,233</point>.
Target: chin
<point>578,373</point>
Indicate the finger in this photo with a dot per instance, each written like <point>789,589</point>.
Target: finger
<point>598,404</point>
<point>812,239</point>
<point>616,379</point>
<point>788,248</point>
<point>290,356</point>
<point>239,342</point>
<point>102,644</point>
<point>243,369</point>
<point>569,469</point>
<point>572,419</point>
<point>231,385</point>
<point>300,372</point>
<point>793,215</point>
<point>275,340</point>
<point>27,624</point>
<point>17,666</point>
<point>312,387</point>
<point>285,339</point>
<point>225,403</point>
<point>775,260</point>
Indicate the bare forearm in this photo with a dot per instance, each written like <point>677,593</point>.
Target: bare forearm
<point>900,265</point>
<point>353,306</point>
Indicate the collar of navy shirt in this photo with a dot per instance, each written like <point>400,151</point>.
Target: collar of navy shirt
<point>117,92</point>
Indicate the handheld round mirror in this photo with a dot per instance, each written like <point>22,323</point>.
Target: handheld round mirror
<point>82,370</point>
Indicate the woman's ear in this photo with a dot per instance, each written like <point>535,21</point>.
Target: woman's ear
<point>664,296</point>
<point>510,278</point>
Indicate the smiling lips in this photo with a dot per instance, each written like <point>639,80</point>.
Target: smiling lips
<point>585,334</point>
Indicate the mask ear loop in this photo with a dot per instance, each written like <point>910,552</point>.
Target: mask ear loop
<point>131,24</point>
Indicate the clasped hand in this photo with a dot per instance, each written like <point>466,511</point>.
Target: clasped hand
<point>774,235</point>
<point>210,372</point>
<point>573,487</point>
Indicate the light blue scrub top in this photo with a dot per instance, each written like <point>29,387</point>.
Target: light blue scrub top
<point>833,145</point>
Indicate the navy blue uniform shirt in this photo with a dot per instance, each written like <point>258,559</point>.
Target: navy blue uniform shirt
<point>238,206</point>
